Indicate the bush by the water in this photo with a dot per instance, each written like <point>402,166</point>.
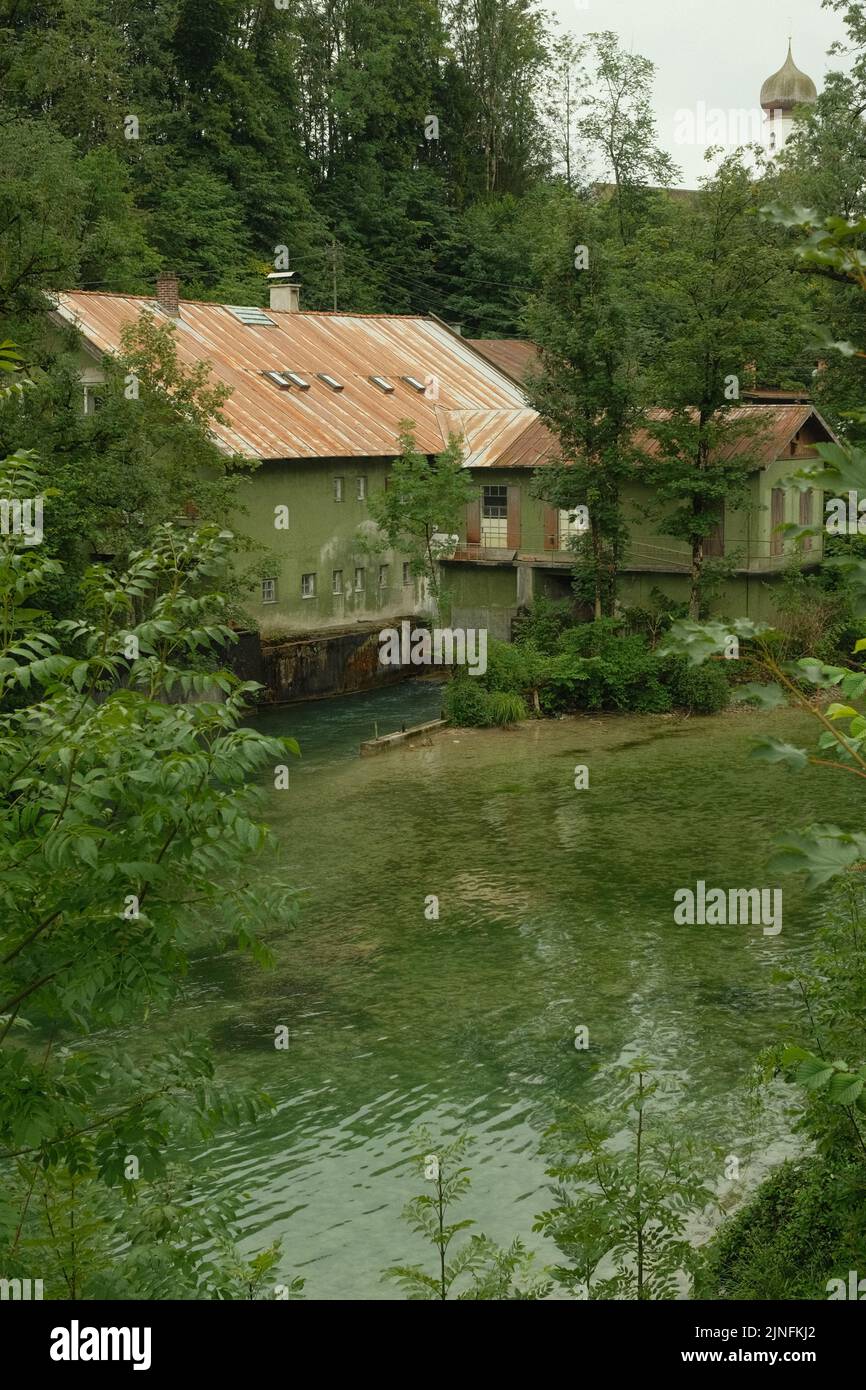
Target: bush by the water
<point>592,666</point>
<point>596,667</point>
<point>699,689</point>
<point>469,705</point>
<point>788,1241</point>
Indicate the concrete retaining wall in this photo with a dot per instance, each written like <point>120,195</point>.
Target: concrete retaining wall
<point>328,663</point>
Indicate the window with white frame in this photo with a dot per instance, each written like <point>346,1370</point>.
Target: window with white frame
<point>269,591</point>
<point>570,525</point>
<point>494,516</point>
<point>362,488</point>
<point>338,489</point>
<point>91,400</point>
<point>360,580</point>
<point>308,586</point>
<point>337,586</point>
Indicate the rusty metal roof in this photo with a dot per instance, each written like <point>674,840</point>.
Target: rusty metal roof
<point>777,425</point>
<point>537,445</point>
<point>513,355</point>
<point>475,399</point>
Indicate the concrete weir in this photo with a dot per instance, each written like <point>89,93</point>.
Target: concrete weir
<point>311,665</point>
<point>387,741</point>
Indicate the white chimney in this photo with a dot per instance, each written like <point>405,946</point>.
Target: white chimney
<point>285,291</point>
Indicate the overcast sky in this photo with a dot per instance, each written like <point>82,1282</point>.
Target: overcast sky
<point>710,52</point>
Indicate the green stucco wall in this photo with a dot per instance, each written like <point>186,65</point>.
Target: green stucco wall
<point>481,591</point>
<point>323,536</point>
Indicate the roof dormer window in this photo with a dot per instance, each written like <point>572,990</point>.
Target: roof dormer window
<point>250,315</point>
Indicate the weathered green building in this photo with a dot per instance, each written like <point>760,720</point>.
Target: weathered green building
<point>514,547</point>
<point>319,399</point>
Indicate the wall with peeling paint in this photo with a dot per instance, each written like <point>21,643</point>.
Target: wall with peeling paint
<point>324,536</point>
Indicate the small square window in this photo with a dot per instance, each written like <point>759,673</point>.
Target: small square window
<point>308,586</point>
<point>383,576</point>
<point>269,591</point>
<point>362,489</point>
<point>337,586</point>
<point>495,502</point>
<point>360,580</point>
<point>338,489</point>
<point>407,574</point>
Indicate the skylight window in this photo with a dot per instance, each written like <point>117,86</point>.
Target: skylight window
<point>295,380</point>
<point>382,384</point>
<point>413,382</point>
<point>331,381</point>
<point>279,379</point>
<point>250,315</point>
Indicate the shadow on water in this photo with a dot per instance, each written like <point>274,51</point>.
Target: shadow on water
<point>328,730</point>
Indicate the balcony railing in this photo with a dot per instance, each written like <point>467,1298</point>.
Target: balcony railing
<point>642,555</point>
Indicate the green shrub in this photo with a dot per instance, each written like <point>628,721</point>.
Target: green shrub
<point>466,702</point>
<point>787,1241</point>
<point>815,616</point>
<point>542,625</point>
<point>700,689</point>
<point>597,667</point>
<point>505,708</point>
<point>517,669</point>
<point>469,705</point>
<point>511,667</point>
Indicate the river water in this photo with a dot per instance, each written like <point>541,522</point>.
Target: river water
<point>555,910</point>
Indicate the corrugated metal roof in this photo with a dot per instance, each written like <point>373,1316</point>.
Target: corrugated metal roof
<point>779,424</point>
<point>513,355</point>
<point>537,445</point>
<point>474,398</point>
<point>533,447</point>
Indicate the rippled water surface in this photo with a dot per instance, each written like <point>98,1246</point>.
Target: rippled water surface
<point>555,910</point>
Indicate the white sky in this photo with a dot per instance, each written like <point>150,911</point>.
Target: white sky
<point>715,52</point>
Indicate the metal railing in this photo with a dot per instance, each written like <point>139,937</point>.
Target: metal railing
<point>758,555</point>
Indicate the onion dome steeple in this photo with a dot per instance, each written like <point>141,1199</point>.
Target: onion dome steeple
<point>787,88</point>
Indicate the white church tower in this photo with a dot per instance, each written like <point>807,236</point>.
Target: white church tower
<point>780,94</point>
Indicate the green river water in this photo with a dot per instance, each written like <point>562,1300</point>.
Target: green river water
<point>556,909</point>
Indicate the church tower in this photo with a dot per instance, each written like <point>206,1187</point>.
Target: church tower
<point>780,94</point>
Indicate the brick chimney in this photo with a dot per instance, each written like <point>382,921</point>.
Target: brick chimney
<point>285,291</point>
<point>166,293</point>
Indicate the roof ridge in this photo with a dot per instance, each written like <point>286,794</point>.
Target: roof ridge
<point>221,304</point>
